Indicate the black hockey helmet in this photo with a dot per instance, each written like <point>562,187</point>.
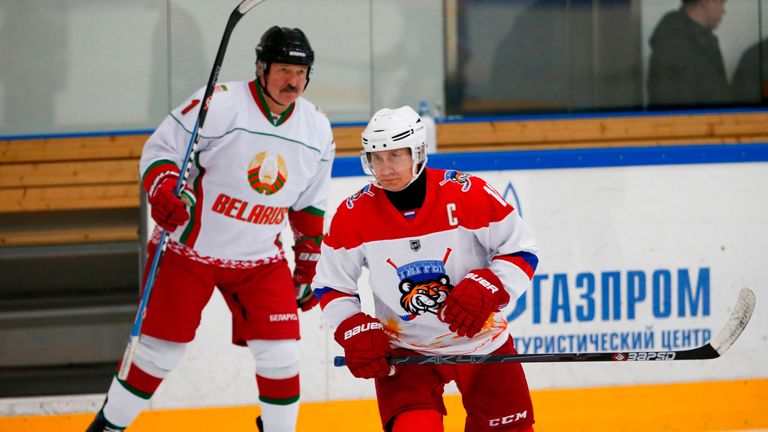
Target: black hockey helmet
<point>285,45</point>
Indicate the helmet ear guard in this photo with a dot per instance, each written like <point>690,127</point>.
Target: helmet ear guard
<point>392,129</point>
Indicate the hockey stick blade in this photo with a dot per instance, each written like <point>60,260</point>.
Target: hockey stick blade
<point>740,316</point>
<point>738,320</point>
<point>247,5</point>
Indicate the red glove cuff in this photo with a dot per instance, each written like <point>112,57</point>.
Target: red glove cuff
<point>307,226</point>
<point>490,286</point>
<point>306,254</point>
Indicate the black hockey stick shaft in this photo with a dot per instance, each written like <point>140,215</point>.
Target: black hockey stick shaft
<point>700,353</point>
<point>738,320</point>
<point>242,8</point>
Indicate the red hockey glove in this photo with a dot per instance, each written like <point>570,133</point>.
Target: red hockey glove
<point>366,346</point>
<point>168,210</point>
<point>472,301</point>
<point>307,253</point>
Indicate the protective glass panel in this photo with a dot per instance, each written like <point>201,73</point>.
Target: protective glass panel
<point>562,56</point>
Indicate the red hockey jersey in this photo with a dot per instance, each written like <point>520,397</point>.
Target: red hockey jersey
<point>413,263</point>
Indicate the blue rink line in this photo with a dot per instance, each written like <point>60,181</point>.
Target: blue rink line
<point>349,166</point>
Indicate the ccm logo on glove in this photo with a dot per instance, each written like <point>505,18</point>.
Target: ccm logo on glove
<point>482,281</point>
<point>362,328</point>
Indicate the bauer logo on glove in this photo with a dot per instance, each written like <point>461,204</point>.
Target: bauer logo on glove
<point>484,282</point>
<point>362,328</point>
<point>366,346</point>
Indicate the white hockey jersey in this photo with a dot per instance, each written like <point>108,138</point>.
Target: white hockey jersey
<point>464,224</point>
<point>248,171</point>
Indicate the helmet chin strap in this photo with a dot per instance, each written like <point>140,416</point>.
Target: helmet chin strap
<point>264,87</point>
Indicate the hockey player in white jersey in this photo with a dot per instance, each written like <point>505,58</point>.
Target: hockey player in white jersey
<point>263,161</point>
<point>445,254</point>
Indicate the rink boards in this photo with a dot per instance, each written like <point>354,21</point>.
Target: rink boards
<point>641,249</point>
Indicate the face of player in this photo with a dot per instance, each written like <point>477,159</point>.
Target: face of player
<point>393,168</point>
<point>285,83</point>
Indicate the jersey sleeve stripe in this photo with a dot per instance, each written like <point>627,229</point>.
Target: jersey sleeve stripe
<point>306,223</point>
<point>326,295</point>
<point>190,106</point>
<point>311,210</point>
<point>526,261</point>
<point>156,172</point>
<point>192,231</point>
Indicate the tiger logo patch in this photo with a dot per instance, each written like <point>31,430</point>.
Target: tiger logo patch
<point>424,286</point>
<point>424,297</point>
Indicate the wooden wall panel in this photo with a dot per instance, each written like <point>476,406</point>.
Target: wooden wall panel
<point>97,173</point>
<point>55,198</point>
<point>71,149</point>
<point>69,173</point>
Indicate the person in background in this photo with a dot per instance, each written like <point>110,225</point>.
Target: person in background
<point>264,161</point>
<point>445,253</point>
<point>686,66</point>
<point>750,81</point>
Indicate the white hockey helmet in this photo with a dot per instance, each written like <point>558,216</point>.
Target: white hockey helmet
<point>392,129</point>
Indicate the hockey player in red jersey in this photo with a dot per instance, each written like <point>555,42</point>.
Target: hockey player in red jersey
<point>445,254</point>
<point>264,161</point>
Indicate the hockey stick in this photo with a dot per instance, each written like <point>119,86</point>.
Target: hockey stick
<point>738,320</point>
<point>234,17</point>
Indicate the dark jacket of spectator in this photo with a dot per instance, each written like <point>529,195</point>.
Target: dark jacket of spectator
<point>686,66</point>
<point>750,81</point>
